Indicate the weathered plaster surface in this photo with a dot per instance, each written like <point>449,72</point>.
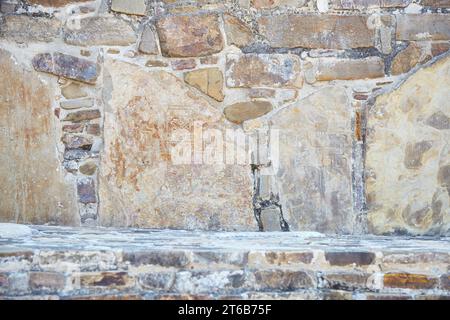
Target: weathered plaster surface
<point>140,185</point>
<point>33,188</point>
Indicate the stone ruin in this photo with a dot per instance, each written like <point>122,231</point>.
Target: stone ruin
<point>251,149</point>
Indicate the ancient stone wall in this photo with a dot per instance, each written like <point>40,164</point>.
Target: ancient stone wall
<point>237,115</point>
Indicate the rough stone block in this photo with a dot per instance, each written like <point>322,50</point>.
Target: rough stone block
<point>209,81</point>
<point>77,103</point>
<point>109,280</point>
<point>195,282</point>
<point>404,258</point>
<point>387,296</point>
<point>22,28</point>
<point>94,129</point>
<point>283,280</point>
<point>67,66</point>
<point>317,31</point>
<point>8,6</point>
<point>189,36</point>
<point>432,297</point>
<point>61,260</point>
<point>209,60</point>
<point>337,295</point>
<point>52,3</point>
<point>436,3</point>
<point>349,258</point>
<point>208,258</point>
<point>88,168</point>
<point>73,90</point>
<point>99,31</point>
<point>183,64</point>
<point>407,59</point>
<point>265,70</point>
<point>77,141</point>
<point>416,27</point>
<point>409,281</point>
<point>149,42</point>
<point>366,4</point>
<point>445,282</point>
<point>242,111</point>
<point>265,4</point>
<point>315,147</point>
<point>83,115</point>
<point>75,154</point>
<point>4,282</point>
<point>438,48</point>
<point>270,220</point>
<point>136,7</point>
<point>47,281</point>
<point>237,32</point>
<point>416,53</point>
<point>86,190</point>
<point>349,69</point>
<point>345,281</point>
<point>261,93</point>
<point>408,128</point>
<point>158,280</point>
<point>257,259</point>
<point>165,259</point>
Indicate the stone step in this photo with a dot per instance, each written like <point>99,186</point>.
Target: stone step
<point>70,263</point>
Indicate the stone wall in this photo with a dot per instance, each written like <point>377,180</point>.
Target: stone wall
<point>330,116</point>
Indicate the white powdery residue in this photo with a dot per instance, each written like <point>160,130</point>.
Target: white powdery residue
<point>423,35</point>
<point>322,5</point>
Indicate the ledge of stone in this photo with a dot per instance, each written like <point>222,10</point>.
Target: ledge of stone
<point>41,262</point>
<point>12,231</point>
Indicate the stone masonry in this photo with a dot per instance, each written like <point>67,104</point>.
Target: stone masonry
<point>231,115</point>
<point>146,141</point>
<point>55,263</point>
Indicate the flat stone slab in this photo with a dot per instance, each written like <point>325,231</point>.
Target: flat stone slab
<point>12,230</point>
<point>69,238</point>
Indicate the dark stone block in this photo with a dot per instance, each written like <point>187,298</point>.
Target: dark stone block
<point>284,280</point>
<point>86,191</point>
<point>346,258</point>
<point>162,258</point>
<point>158,280</point>
<point>47,281</point>
<point>77,142</point>
<point>67,66</point>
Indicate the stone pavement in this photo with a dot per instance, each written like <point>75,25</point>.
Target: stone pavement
<point>98,263</point>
